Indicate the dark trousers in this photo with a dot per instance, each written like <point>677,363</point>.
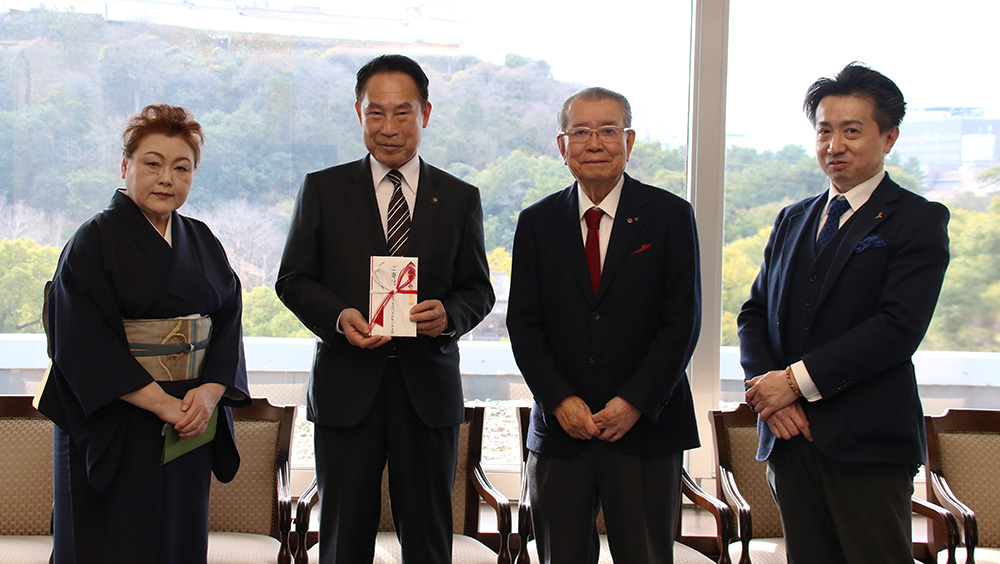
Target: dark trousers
<point>349,464</point>
<point>640,496</point>
<point>841,512</point>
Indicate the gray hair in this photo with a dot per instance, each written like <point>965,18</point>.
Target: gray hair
<point>595,94</point>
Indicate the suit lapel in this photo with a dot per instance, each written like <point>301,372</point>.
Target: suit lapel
<point>360,195</point>
<point>876,210</point>
<point>569,239</point>
<point>426,206</point>
<point>629,219</point>
<point>798,220</point>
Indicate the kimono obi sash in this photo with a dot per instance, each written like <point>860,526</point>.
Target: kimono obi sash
<point>170,349</point>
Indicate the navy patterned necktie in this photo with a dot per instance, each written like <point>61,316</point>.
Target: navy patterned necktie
<point>837,208</point>
<point>398,224</point>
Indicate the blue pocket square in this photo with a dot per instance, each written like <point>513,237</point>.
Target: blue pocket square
<point>872,241</point>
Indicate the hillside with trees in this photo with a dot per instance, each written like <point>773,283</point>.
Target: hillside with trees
<point>275,108</point>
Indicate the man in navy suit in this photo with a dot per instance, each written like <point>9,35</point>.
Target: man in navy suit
<point>845,294</point>
<point>604,313</point>
<point>374,399</point>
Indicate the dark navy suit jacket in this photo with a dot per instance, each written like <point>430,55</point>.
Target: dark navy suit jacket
<point>634,339</point>
<point>873,307</point>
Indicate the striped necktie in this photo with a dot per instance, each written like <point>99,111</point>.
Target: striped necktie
<point>398,224</point>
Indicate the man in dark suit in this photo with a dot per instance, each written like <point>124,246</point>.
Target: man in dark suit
<point>845,294</point>
<point>375,398</point>
<point>604,313</point>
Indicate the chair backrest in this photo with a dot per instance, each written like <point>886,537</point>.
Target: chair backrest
<point>249,503</point>
<point>963,445</point>
<point>26,468</point>
<point>464,497</point>
<point>735,437</point>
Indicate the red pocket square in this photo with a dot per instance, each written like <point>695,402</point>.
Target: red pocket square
<point>645,247</point>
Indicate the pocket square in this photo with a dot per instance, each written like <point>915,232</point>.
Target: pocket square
<point>872,241</point>
<point>645,247</point>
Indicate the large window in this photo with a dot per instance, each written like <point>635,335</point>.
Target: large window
<point>272,82</point>
<point>947,150</point>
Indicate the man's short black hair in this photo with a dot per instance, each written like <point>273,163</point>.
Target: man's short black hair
<point>857,79</point>
<point>393,63</point>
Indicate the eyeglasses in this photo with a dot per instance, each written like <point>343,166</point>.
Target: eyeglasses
<point>604,133</point>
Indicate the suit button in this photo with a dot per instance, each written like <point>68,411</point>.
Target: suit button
<point>596,315</point>
<point>590,359</point>
<point>809,303</point>
<point>813,278</point>
<point>806,327</point>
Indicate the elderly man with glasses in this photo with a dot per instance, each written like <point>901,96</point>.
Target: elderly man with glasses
<point>604,313</point>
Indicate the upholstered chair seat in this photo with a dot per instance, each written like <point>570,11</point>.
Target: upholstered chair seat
<point>26,487</point>
<point>471,486</point>
<point>963,475</point>
<point>249,518</point>
<point>742,482</point>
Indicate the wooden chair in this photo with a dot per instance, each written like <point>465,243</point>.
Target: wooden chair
<point>963,472</point>
<point>687,549</point>
<point>250,517</point>
<point>742,482</point>
<point>471,485</point>
<point>26,487</point>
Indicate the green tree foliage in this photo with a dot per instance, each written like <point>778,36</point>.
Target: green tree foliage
<point>741,263</point>
<point>652,164</point>
<point>265,316</point>
<point>991,175</point>
<point>968,312</point>
<point>275,108</point>
<point>500,260</point>
<point>25,266</point>
<point>758,184</point>
<point>511,183</point>
<point>906,172</point>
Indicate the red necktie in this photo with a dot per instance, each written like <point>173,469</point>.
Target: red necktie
<point>593,248</point>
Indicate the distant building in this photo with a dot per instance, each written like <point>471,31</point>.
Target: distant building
<point>954,146</point>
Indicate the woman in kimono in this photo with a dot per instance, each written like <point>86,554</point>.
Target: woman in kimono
<point>119,380</point>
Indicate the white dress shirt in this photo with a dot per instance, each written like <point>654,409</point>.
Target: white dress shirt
<point>384,187</point>
<point>609,205</point>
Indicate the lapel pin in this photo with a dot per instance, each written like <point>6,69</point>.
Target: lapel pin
<point>879,216</point>
<point>632,219</point>
<point>434,200</point>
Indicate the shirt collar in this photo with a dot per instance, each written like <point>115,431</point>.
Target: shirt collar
<point>169,233</point>
<point>858,195</point>
<point>410,171</point>
<point>608,205</point>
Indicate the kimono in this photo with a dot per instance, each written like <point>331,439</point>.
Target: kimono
<point>114,502</point>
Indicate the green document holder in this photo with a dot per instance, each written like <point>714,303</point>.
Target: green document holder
<point>174,447</point>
